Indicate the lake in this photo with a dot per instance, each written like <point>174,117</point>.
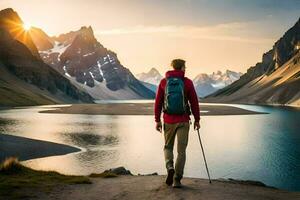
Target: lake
<point>263,147</point>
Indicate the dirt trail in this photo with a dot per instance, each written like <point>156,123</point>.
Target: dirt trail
<point>153,187</point>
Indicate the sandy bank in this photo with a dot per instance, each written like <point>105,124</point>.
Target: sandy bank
<point>25,148</point>
<point>153,187</point>
<point>141,109</point>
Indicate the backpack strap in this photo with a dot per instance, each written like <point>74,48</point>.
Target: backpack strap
<point>186,100</point>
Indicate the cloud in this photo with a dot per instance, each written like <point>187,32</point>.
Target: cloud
<point>139,30</point>
<point>239,32</point>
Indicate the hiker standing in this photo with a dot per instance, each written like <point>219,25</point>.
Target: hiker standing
<point>176,96</point>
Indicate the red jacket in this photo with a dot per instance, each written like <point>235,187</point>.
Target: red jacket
<point>191,95</point>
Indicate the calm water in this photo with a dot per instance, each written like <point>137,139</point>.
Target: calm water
<point>258,147</point>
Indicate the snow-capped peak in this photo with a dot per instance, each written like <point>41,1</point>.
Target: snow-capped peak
<point>153,76</point>
<point>206,84</point>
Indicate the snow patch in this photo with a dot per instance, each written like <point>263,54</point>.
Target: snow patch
<point>218,85</point>
<point>88,54</point>
<point>66,73</point>
<point>92,75</point>
<point>100,70</point>
<point>58,48</point>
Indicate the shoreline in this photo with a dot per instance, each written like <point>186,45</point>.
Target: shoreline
<point>120,102</point>
<point>26,148</point>
<point>119,183</point>
<point>141,109</point>
<point>253,104</point>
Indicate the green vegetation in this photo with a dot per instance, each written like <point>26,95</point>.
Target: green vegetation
<point>18,181</point>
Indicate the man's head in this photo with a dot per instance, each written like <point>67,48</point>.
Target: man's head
<point>178,64</point>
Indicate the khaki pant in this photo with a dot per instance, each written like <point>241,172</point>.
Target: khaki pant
<point>182,132</point>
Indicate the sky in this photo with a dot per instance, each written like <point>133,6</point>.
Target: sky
<point>210,35</point>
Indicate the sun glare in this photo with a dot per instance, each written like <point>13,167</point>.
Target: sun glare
<point>27,26</point>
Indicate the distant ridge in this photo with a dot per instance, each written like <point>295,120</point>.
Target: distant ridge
<point>274,80</point>
<point>206,84</point>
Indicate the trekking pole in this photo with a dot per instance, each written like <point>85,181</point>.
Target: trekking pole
<point>204,156</point>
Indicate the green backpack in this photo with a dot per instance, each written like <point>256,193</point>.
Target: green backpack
<point>175,101</point>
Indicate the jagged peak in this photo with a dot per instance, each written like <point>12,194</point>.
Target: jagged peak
<point>86,28</point>
<point>153,71</point>
<point>10,14</point>
<point>217,73</point>
<point>231,71</point>
<point>7,10</point>
<point>201,77</point>
<point>86,31</point>
<point>68,37</point>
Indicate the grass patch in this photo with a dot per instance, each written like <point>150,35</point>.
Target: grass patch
<point>18,181</point>
<point>103,175</point>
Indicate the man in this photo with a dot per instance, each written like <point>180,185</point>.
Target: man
<point>175,96</point>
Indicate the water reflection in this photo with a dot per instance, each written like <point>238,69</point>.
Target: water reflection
<point>88,140</point>
<point>258,147</point>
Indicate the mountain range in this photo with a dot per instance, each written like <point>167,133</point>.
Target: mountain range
<point>205,84</point>
<point>70,68</point>
<point>74,67</point>
<point>78,56</point>
<point>274,80</point>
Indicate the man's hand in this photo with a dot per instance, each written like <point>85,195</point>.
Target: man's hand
<point>158,126</point>
<point>196,125</point>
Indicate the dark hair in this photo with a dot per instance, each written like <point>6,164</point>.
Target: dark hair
<point>178,64</point>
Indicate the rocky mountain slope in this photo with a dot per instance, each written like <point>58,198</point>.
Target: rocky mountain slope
<point>206,84</point>
<point>25,79</point>
<point>274,80</point>
<point>89,65</point>
<point>13,24</point>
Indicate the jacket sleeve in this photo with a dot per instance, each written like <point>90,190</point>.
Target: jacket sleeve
<point>193,99</point>
<point>159,102</point>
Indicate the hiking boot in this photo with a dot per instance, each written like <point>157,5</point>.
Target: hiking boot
<point>177,183</point>
<point>169,180</point>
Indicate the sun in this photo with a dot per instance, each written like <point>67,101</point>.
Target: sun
<point>27,26</point>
